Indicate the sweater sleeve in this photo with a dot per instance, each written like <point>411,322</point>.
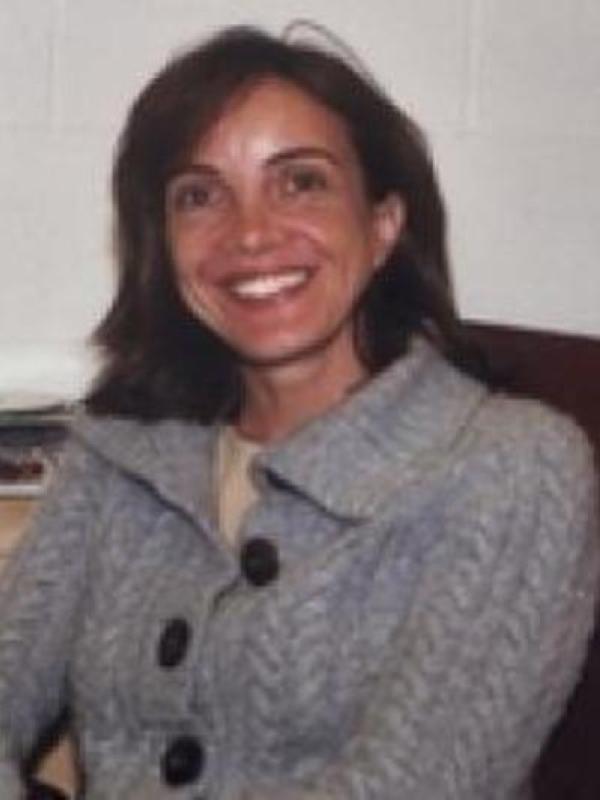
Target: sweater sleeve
<point>40,593</point>
<point>468,722</point>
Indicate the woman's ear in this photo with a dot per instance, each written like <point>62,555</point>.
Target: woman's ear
<point>389,217</point>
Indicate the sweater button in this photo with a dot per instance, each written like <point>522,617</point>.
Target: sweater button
<point>174,642</point>
<point>259,561</point>
<point>183,761</point>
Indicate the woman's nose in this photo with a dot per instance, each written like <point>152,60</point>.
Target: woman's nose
<point>256,226</point>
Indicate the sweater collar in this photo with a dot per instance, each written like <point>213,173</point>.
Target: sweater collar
<point>394,431</point>
<point>173,457</point>
<point>389,433</point>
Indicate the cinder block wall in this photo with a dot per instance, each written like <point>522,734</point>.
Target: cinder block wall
<point>508,91</point>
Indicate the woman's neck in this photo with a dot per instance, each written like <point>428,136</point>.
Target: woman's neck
<point>279,400</point>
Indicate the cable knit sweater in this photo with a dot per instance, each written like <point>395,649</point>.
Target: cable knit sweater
<point>408,627</point>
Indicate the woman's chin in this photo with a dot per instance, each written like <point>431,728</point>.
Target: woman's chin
<point>331,348</point>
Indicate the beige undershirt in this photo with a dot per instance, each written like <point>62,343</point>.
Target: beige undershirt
<point>234,490</point>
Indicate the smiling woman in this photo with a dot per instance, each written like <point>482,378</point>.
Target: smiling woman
<point>273,241</point>
<point>298,550</point>
<point>322,152</point>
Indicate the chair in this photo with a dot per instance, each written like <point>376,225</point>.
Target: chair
<point>565,372</point>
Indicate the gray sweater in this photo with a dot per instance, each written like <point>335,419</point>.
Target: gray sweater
<point>405,620</point>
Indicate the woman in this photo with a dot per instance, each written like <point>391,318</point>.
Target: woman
<point>296,550</point>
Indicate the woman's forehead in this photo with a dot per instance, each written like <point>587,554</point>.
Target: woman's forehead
<point>272,113</point>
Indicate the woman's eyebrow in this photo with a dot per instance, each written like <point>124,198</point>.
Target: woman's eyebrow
<point>192,168</point>
<point>289,154</point>
<point>306,151</point>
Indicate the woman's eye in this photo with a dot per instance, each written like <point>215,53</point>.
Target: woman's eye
<point>305,181</point>
<point>190,196</point>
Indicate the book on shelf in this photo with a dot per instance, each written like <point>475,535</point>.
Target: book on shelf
<point>33,429</point>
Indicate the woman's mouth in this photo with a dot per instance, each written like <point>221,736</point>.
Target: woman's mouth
<point>267,286</point>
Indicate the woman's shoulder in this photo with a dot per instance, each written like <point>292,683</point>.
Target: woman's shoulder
<point>125,441</point>
<point>526,421</point>
<point>535,440</point>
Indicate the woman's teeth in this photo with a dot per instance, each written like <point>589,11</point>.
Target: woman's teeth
<point>262,286</point>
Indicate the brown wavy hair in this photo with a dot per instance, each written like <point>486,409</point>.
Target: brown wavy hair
<point>160,360</point>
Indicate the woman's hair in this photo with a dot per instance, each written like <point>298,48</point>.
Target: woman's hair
<point>159,359</point>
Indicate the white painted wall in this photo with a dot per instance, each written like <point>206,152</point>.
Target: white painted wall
<point>508,90</point>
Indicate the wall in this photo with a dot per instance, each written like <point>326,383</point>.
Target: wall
<point>508,90</point>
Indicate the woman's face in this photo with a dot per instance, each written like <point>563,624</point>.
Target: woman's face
<point>270,231</point>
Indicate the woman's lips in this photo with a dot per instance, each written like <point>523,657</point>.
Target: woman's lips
<point>265,286</point>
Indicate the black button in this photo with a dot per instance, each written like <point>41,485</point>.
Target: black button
<point>174,642</point>
<point>259,561</point>
<point>183,761</point>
